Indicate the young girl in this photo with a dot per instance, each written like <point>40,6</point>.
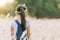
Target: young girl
<point>20,22</point>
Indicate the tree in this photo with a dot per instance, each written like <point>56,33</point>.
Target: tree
<point>38,8</point>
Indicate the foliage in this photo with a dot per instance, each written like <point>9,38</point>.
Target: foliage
<point>38,8</point>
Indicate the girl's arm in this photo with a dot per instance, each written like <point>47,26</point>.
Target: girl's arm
<point>28,33</point>
<point>12,31</point>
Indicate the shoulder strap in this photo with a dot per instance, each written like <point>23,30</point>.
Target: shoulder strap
<point>17,21</point>
<point>19,24</point>
<point>19,30</point>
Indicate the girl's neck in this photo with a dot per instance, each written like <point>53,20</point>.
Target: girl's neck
<point>18,17</point>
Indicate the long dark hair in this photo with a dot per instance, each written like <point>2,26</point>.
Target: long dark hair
<point>22,14</point>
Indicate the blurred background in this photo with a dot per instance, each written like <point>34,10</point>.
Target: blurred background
<point>36,8</point>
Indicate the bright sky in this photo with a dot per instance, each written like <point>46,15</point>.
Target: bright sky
<point>4,2</point>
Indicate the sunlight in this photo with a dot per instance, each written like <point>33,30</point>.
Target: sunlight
<point>10,1</point>
<point>4,2</point>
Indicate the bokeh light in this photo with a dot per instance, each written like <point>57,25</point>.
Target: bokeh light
<point>4,2</point>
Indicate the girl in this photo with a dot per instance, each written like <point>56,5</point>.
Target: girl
<point>20,22</point>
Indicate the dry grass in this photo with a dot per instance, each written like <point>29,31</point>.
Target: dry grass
<point>41,29</point>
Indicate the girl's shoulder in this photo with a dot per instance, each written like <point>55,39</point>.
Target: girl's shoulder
<point>27,19</point>
<point>27,22</point>
<point>13,23</point>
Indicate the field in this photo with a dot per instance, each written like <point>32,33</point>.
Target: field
<point>41,29</point>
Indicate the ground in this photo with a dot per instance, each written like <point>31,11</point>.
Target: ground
<point>41,29</point>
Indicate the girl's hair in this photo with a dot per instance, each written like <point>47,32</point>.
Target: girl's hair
<point>22,14</point>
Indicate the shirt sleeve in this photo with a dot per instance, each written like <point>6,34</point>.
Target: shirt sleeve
<point>13,24</point>
<point>27,23</point>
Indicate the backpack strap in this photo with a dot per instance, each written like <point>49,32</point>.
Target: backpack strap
<point>19,30</point>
